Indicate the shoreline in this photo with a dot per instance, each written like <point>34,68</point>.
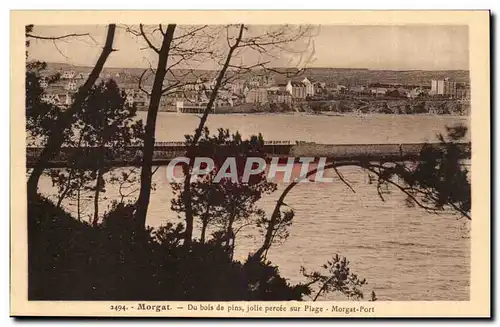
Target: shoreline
<point>319,114</point>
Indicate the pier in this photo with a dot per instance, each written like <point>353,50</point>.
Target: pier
<point>164,152</point>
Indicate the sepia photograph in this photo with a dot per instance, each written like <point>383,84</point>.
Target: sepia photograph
<point>229,165</point>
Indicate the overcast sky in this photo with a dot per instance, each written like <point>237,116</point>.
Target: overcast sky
<point>424,47</point>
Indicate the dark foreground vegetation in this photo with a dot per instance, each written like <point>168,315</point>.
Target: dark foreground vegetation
<point>72,260</point>
<point>116,256</point>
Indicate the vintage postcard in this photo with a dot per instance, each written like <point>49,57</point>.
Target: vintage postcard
<point>250,163</point>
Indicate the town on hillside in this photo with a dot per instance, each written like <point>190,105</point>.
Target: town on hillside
<point>266,92</point>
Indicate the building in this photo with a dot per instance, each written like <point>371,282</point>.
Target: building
<point>195,108</point>
<point>68,74</point>
<point>71,86</point>
<point>341,88</point>
<point>44,83</point>
<point>463,93</point>
<point>309,87</point>
<point>279,96</point>
<point>51,98</point>
<point>130,96</point>
<point>275,88</point>
<point>256,95</point>
<point>141,99</point>
<point>415,93</point>
<point>255,81</point>
<point>238,86</point>
<point>319,87</point>
<point>298,90</point>
<point>444,87</point>
<point>358,89</point>
<point>379,90</point>
<point>191,84</point>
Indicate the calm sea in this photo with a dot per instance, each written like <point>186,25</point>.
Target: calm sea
<point>403,252</point>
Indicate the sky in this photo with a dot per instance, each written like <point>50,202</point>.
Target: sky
<point>406,47</point>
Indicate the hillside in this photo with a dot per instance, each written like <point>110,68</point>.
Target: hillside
<point>348,76</point>
<point>332,76</point>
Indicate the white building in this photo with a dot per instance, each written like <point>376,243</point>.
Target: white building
<point>309,86</point>
<point>68,74</point>
<point>444,87</point>
<point>44,83</point>
<point>416,92</point>
<point>298,90</point>
<point>71,86</point>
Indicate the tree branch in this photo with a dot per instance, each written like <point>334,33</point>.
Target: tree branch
<point>151,46</point>
<point>40,37</point>
<point>56,139</point>
<point>187,174</point>
<point>362,164</point>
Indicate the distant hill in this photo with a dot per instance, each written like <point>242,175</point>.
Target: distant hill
<point>331,76</point>
<point>352,76</point>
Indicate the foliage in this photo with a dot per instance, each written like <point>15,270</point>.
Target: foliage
<point>72,260</point>
<point>439,178</point>
<point>114,260</point>
<point>226,205</point>
<point>103,123</point>
<point>338,278</point>
<point>40,115</point>
<point>280,228</point>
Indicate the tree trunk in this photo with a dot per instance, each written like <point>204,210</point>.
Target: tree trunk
<point>230,235</point>
<point>96,197</point>
<point>203,231</point>
<point>190,152</point>
<point>72,171</point>
<point>78,204</point>
<point>204,223</point>
<point>149,137</point>
<point>229,230</point>
<point>65,121</point>
<point>66,190</point>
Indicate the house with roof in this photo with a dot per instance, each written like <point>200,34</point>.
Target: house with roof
<point>319,85</point>
<point>255,81</point>
<point>71,86</point>
<point>297,90</point>
<point>129,96</point>
<point>415,93</point>
<point>463,93</point>
<point>44,82</point>
<point>274,88</point>
<point>378,91</point>
<point>309,86</point>
<point>341,87</point>
<point>68,74</point>
<point>51,98</point>
<point>238,86</point>
<point>65,98</point>
<point>141,99</point>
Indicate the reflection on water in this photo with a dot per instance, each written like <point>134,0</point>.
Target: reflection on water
<point>404,253</point>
